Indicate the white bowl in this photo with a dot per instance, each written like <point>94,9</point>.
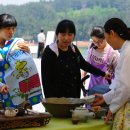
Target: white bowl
<point>89,99</point>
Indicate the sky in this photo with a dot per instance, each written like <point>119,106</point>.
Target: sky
<point>16,2</point>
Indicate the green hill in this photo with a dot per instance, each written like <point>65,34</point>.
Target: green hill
<point>85,13</point>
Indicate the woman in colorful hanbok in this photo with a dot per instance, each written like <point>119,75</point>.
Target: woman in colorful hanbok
<point>117,35</point>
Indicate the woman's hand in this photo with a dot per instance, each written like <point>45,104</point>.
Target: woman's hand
<point>109,117</point>
<point>99,100</point>
<point>108,75</point>
<point>24,46</point>
<point>4,89</point>
<point>83,74</point>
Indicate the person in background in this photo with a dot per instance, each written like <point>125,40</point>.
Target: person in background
<point>19,79</point>
<point>101,55</point>
<point>61,63</point>
<point>41,43</point>
<point>117,34</point>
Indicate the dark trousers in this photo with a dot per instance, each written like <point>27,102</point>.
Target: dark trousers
<point>40,49</point>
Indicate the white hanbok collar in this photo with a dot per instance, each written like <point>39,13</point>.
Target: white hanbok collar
<point>124,45</point>
<point>54,48</point>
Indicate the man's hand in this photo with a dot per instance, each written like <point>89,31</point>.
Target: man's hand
<point>4,89</point>
<point>99,100</point>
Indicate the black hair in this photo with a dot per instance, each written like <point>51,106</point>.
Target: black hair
<point>118,26</point>
<point>97,31</point>
<point>7,20</point>
<point>65,26</point>
<point>42,30</point>
<point>93,46</point>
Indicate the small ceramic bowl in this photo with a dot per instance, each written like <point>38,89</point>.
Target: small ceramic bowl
<point>75,121</point>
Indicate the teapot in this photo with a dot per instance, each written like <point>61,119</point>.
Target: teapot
<point>10,112</point>
<point>82,114</point>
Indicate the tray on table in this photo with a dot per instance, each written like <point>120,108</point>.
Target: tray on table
<point>24,121</point>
